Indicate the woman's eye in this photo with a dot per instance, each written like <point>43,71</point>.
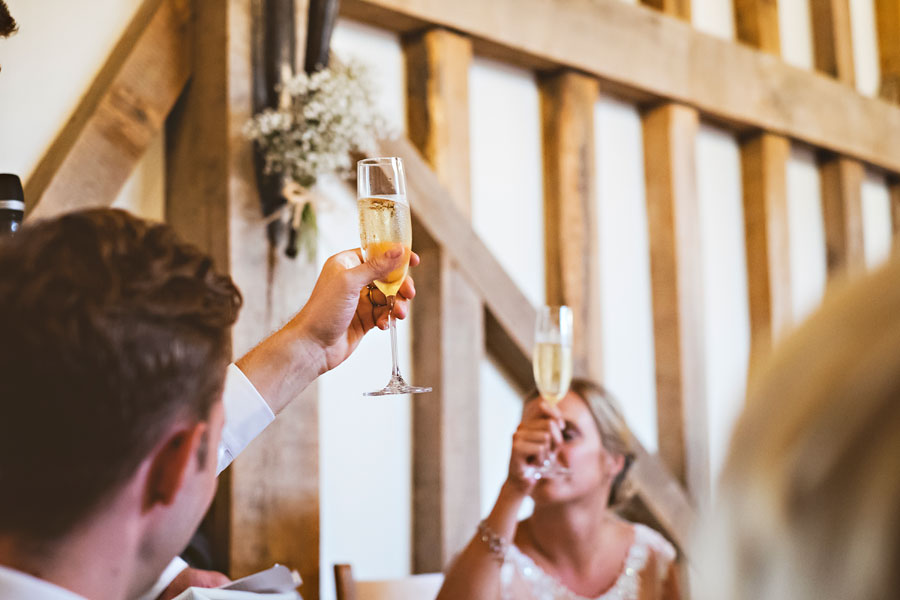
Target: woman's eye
<point>568,434</point>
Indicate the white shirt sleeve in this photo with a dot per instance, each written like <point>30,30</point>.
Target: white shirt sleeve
<point>246,415</point>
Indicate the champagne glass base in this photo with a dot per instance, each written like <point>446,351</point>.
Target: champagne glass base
<point>397,386</point>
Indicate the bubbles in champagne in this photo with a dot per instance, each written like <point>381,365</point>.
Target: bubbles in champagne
<point>552,364</point>
<point>384,221</point>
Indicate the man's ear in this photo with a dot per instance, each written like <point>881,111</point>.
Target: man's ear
<point>171,462</point>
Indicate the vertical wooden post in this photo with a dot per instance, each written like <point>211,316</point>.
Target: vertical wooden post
<point>268,504</point>
<point>841,177</point>
<point>448,318</point>
<point>888,23</point>
<point>670,133</point>
<point>764,159</point>
<point>567,116</point>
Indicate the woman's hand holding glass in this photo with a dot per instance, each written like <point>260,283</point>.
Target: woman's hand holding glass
<point>540,431</point>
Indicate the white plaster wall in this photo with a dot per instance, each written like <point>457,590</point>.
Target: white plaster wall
<point>715,17</point>
<point>807,233</point>
<point>876,206</point>
<point>724,269</point>
<point>865,46</point>
<point>47,66</point>
<point>365,461</point>
<point>507,212</point>
<point>795,30</point>
<point>625,301</point>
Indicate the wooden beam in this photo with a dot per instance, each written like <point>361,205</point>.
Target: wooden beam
<point>764,175</point>
<point>633,50</point>
<point>119,116</point>
<point>211,199</point>
<point>888,24</point>
<point>447,319</point>
<point>673,219</point>
<point>887,18</point>
<point>679,9</point>
<point>833,40</point>
<point>570,232</point>
<point>509,322</point>
<point>764,160</point>
<point>841,177</point>
<point>756,24</point>
<point>842,211</point>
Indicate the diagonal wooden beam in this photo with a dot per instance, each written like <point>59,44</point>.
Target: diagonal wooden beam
<point>511,315</point>
<point>119,116</point>
<point>639,53</point>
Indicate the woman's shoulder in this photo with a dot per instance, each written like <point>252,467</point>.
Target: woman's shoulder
<point>655,543</point>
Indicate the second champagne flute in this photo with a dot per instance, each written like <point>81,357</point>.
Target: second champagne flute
<point>552,362</point>
<point>384,222</point>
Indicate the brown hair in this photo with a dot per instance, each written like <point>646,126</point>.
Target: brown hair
<point>811,489</point>
<point>7,23</point>
<point>110,329</point>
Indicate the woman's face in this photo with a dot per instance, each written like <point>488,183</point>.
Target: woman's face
<point>592,467</point>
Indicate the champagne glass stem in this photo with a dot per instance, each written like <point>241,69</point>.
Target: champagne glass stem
<point>392,325</point>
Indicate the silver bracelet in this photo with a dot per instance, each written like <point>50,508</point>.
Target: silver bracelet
<point>496,544</point>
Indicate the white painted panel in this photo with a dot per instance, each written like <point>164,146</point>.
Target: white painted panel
<point>381,51</point>
<point>47,66</point>
<point>501,411</point>
<point>726,310</point>
<point>807,233</point>
<point>715,17</point>
<point>624,293</point>
<point>795,29</point>
<point>144,194</point>
<point>364,442</point>
<point>877,226</point>
<point>865,46</point>
<point>507,194</point>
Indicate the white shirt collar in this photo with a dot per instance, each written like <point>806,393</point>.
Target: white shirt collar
<point>15,585</point>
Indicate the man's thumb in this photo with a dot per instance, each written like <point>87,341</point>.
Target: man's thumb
<point>379,266</point>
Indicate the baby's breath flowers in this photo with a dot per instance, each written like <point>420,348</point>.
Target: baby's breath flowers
<point>321,119</point>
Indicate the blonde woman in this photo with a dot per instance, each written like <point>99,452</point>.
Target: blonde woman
<point>811,491</point>
<point>573,547</point>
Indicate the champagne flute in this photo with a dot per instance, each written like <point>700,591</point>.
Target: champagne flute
<point>552,362</point>
<point>384,222</point>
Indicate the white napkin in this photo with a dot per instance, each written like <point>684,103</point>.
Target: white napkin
<point>277,583</point>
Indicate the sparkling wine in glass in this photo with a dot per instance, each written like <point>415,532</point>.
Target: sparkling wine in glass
<point>384,222</point>
<point>552,362</point>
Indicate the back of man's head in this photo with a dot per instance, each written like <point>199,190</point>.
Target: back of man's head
<point>111,328</point>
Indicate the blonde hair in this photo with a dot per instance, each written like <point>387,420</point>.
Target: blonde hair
<point>810,496</point>
<point>615,435</point>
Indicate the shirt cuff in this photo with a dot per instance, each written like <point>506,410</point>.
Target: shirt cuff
<point>246,415</point>
<point>165,580</point>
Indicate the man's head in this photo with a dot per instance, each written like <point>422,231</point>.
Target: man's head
<point>114,341</point>
<point>7,23</point>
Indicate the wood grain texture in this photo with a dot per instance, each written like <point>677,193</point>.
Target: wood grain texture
<point>268,500</point>
<point>673,220</point>
<point>887,18</point>
<point>570,222</point>
<point>764,160</point>
<point>833,39</point>
<point>756,24</point>
<point>447,319</point>
<point>634,50</point>
<point>119,116</point>
<point>842,180</point>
